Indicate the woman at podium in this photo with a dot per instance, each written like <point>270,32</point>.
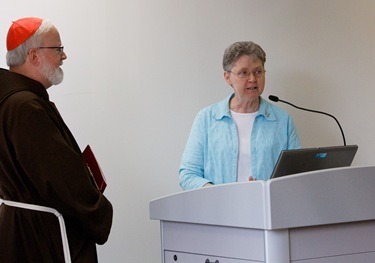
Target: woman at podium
<point>240,137</point>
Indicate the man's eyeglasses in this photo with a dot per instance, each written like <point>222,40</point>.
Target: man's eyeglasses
<point>59,50</point>
<point>258,73</point>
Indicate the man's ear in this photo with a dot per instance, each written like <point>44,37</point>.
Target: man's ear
<point>34,57</point>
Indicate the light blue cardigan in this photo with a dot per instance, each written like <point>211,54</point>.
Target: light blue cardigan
<point>211,152</point>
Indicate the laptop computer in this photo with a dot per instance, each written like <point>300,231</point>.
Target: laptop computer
<point>311,159</point>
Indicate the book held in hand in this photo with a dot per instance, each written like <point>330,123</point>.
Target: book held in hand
<point>94,168</point>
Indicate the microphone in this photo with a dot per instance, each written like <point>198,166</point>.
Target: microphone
<point>276,99</point>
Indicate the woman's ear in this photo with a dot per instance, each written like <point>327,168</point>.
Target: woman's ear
<point>227,78</point>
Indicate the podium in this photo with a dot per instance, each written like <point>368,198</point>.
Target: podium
<point>325,216</point>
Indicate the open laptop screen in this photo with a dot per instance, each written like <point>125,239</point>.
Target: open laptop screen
<point>311,159</point>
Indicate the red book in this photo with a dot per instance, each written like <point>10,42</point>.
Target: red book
<point>94,168</point>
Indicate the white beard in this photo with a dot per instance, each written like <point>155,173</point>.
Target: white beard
<point>54,76</point>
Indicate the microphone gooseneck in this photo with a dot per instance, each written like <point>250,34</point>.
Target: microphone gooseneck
<point>276,99</point>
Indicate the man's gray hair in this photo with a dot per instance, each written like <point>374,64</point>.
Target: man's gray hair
<point>17,56</point>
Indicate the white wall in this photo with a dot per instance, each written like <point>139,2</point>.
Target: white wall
<point>138,71</point>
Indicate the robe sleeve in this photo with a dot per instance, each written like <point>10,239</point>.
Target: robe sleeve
<point>52,163</point>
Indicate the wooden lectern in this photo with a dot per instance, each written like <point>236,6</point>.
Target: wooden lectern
<point>325,216</point>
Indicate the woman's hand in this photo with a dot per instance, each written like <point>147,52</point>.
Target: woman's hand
<point>252,178</point>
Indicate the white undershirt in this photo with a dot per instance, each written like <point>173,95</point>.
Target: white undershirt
<point>244,123</point>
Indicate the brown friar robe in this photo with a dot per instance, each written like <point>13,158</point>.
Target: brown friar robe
<point>41,164</point>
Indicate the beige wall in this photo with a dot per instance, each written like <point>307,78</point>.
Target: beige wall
<point>138,72</point>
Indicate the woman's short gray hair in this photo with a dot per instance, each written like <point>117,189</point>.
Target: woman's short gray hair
<point>17,56</point>
<point>238,49</point>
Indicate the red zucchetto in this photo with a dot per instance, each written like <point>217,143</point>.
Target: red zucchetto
<point>21,30</point>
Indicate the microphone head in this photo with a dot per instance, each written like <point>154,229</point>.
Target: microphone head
<point>273,98</point>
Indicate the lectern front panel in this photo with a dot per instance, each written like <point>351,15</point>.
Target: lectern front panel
<point>218,241</point>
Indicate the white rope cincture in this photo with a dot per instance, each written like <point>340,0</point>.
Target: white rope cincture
<point>59,216</point>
